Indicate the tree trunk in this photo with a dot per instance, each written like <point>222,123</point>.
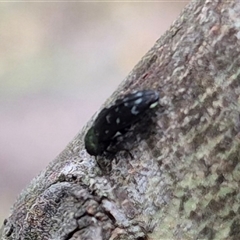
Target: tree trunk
<point>183,180</point>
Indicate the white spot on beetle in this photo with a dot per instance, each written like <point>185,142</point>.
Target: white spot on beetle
<point>118,120</point>
<point>116,109</point>
<point>153,105</point>
<point>138,101</point>
<point>107,131</point>
<point>126,104</point>
<point>117,134</point>
<point>134,110</point>
<point>139,94</point>
<point>108,118</point>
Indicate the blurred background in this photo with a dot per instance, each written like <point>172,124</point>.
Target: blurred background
<point>58,64</point>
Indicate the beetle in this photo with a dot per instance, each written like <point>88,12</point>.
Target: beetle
<point>116,119</point>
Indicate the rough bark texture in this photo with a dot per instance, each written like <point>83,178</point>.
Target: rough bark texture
<point>183,182</point>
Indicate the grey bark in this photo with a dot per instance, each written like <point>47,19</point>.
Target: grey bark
<point>183,182</point>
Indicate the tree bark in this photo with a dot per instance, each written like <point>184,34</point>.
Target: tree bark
<point>183,182</point>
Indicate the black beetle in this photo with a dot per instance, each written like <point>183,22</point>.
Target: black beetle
<point>114,120</point>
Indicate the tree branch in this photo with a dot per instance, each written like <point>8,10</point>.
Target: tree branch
<point>183,182</point>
